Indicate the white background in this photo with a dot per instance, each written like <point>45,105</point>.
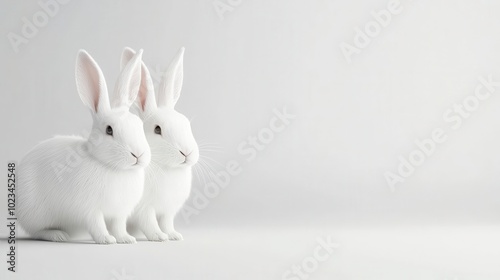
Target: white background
<point>324,174</point>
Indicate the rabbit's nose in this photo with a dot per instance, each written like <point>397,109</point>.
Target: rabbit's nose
<point>185,154</point>
<point>136,157</point>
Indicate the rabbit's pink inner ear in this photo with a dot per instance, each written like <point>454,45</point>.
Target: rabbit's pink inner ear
<point>142,97</point>
<point>146,91</point>
<point>90,83</point>
<point>100,99</point>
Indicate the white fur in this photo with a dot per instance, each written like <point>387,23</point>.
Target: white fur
<point>168,177</point>
<point>69,184</point>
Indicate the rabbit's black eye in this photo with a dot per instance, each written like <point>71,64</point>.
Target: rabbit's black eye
<point>158,130</point>
<point>109,130</point>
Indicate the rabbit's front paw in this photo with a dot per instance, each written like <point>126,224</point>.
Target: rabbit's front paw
<point>157,236</point>
<point>126,239</point>
<point>105,239</point>
<point>175,236</point>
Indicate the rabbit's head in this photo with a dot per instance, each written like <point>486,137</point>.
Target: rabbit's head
<point>168,131</point>
<point>117,138</point>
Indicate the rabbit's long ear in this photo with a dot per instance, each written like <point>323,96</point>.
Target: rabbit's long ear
<point>90,83</point>
<point>127,55</point>
<point>171,84</point>
<point>146,96</point>
<point>127,86</point>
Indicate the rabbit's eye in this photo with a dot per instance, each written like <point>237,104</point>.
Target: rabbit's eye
<point>109,130</point>
<point>158,130</point>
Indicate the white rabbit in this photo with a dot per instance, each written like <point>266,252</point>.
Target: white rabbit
<point>71,184</point>
<point>173,152</point>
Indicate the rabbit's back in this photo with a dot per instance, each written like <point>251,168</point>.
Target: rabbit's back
<point>51,177</point>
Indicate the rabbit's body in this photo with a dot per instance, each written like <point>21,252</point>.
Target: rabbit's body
<point>173,153</point>
<point>69,184</point>
<point>168,199</point>
<point>57,192</point>
<point>165,192</point>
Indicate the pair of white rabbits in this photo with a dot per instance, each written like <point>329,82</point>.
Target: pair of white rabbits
<point>133,171</point>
